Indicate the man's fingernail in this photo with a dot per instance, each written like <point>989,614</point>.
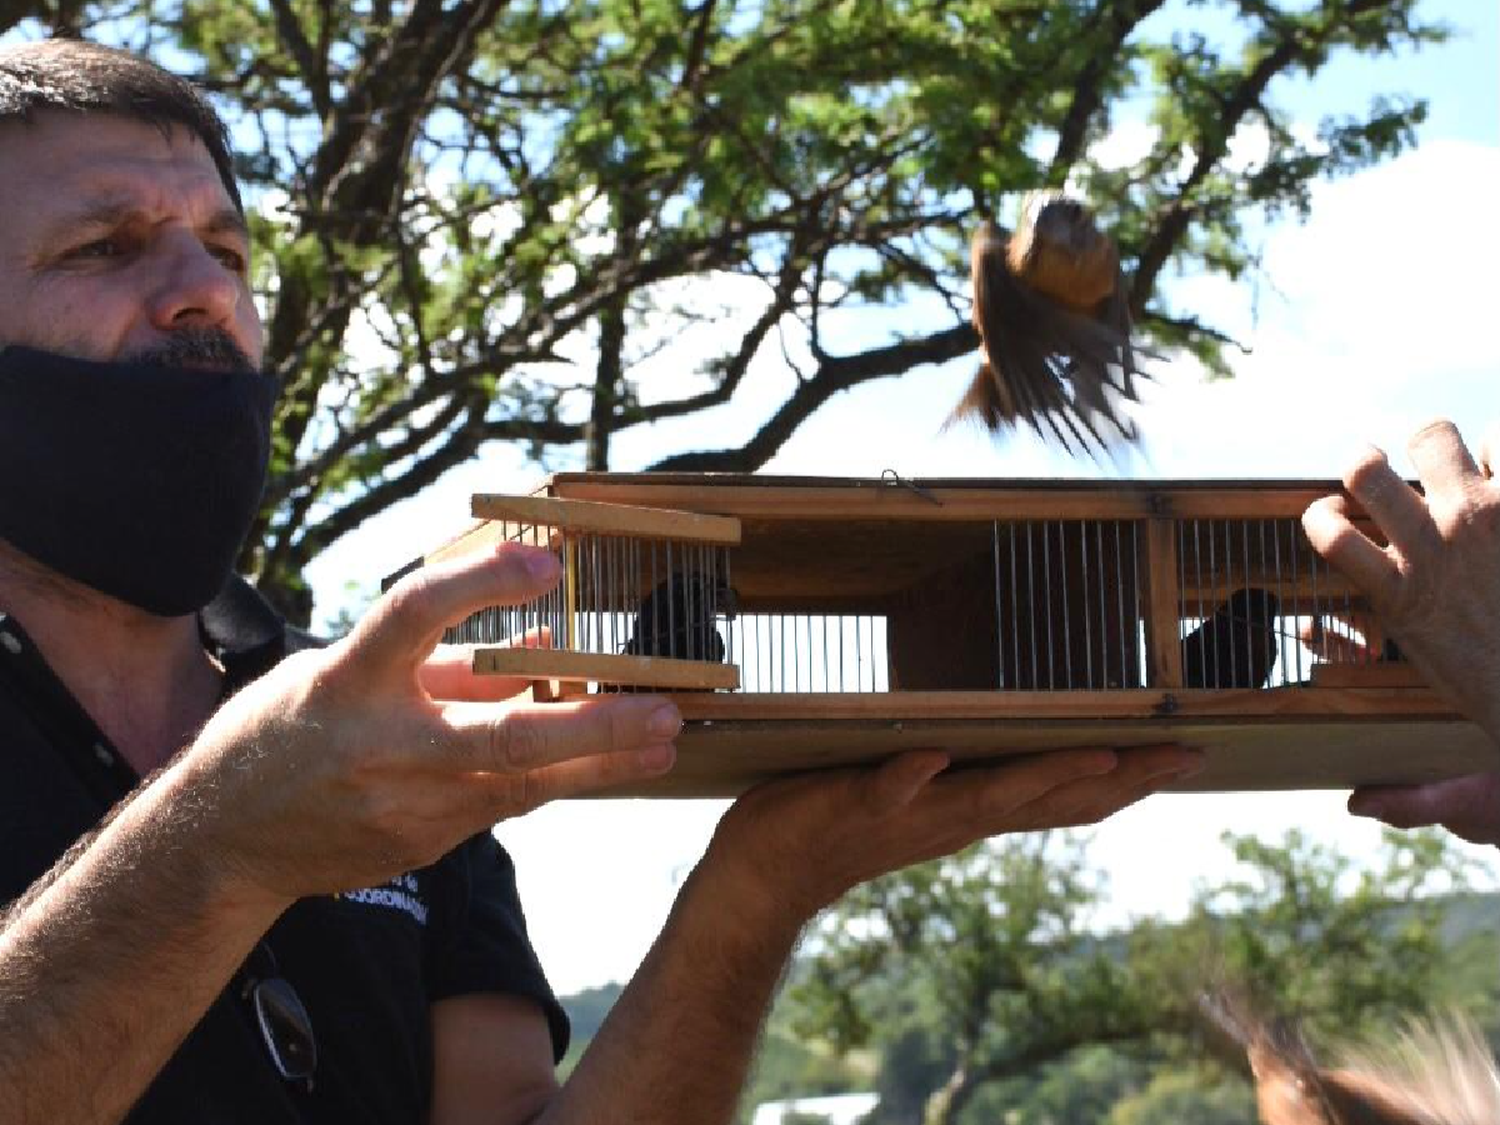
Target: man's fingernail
<point>658,758</point>
<point>665,722</point>
<point>1103,763</point>
<point>542,565</point>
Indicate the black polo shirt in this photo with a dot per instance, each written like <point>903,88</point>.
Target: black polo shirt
<point>367,964</point>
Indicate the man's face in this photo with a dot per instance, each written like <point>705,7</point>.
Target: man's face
<point>118,242</point>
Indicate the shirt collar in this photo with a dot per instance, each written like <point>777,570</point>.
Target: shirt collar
<point>239,628</point>
<point>243,631</point>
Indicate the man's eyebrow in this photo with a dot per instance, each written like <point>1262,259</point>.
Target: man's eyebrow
<point>98,213</point>
<point>114,212</point>
<point>228,220</point>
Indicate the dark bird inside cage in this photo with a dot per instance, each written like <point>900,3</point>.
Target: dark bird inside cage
<point>678,619</point>
<point>1433,1072</point>
<point>1054,325</point>
<point>1235,646</point>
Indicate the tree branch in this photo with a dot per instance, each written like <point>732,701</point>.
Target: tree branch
<point>314,73</point>
<point>1088,92</point>
<point>834,375</point>
<point>1242,99</point>
<point>452,452</point>
<point>1191,325</point>
<point>735,367</point>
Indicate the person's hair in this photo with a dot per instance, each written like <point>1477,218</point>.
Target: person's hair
<point>1439,1071</point>
<point>76,76</point>
<point>1434,1071</point>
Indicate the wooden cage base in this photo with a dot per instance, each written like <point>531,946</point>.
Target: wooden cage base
<point>1303,738</point>
<point>721,758</point>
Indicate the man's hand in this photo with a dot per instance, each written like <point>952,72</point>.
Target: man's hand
<point>346,766</point>
<point>1436,586</point>
<point>1469,807</point>
<point>792,846</point>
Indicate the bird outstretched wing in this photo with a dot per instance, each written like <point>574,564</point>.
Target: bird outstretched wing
<point>1054,326</point>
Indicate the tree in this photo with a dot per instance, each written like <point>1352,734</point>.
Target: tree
<point>477,218</point>
<point>1342,950</point>
<point>987,997</point>
<point>1187,1097</point>
<point>1001,970</point>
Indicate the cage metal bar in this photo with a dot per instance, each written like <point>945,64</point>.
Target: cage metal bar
<point>1046,605</point>
<point>999,602</point>
<point>1120,598</point>
<point>1088,637</point>
<point>1015,610</point>
<point>1103,607</point>
<point>1135,553</point>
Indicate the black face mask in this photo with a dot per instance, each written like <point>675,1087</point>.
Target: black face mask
<point>137,480</point>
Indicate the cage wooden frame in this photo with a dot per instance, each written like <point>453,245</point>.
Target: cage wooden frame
<point>1343,725</point>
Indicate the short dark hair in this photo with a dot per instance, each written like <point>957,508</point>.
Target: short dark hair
<point>77,76</point>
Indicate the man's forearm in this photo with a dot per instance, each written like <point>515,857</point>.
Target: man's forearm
<point>677,1046</point>
<point>105,971</point>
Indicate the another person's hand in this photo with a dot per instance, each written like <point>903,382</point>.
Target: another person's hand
<point>346,766</point>
<point>792,846</point>
<point>1469,807</point>
<point>1436,585</point>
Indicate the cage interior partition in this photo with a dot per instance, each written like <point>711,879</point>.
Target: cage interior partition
<point>803,622</point>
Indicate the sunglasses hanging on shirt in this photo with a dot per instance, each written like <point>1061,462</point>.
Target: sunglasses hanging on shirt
<point>285,1026</point>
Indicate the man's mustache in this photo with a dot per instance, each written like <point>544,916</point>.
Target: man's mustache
<point>195,347</point>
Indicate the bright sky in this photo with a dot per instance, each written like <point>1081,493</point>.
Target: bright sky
<point>1378,316</point>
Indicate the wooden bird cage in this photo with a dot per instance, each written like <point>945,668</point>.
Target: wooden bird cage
<point>816,622</point>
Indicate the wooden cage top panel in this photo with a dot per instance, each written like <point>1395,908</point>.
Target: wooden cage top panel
<point>605,518</point>
<point>943,499</point>
<point>787,561</point>
<point>855,543</point>
<point>545,520</point>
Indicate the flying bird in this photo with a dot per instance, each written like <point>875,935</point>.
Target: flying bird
<point>1236,646</point>
<point>1438,1072</point>
<point>1054,328</point>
